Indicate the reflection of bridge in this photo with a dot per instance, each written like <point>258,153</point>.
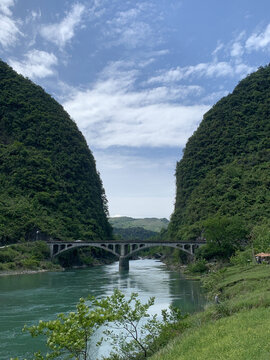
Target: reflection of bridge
<point>122,249</point>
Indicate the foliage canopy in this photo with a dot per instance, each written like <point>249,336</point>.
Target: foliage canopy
<point>48,176</point>
<point>225,169</point>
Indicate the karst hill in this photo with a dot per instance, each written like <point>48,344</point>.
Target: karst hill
<point>225,169</point>
<point>48,178</point>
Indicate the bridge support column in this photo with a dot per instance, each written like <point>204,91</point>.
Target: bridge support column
<point>51,251</point>
<point>123,263</point>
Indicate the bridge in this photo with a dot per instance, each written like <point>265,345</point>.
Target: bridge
<point>122,249</point>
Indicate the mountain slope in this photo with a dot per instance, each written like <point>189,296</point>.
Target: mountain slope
<point>151,224</point>
<point>225,169</point>
<point>48,177</point>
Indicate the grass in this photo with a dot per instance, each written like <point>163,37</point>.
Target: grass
<point>243,336</point>
<point>237,328</point>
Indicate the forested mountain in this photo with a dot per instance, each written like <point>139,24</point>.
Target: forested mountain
<point>134,233</point>
<point>151,224</point>
<point>225,169</point>
<point>48,178</point>
<point>129,228</point>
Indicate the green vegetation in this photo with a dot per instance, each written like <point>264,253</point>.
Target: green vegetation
<point>85,256</point>
<point>224,236</point>
<point>48,177</point>
<point>137,333</point>
<point>239,337</point>
<point>151,224</point>
<point>225,169</point>
<point>236,328</point>
<point>223,197</point>
<point>30,256</point>
<point>128,228</point>
<point>70,335</point>
<point>134,233</point>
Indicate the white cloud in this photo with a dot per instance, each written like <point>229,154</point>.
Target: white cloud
<point>214,69</point>
<point>237,49</point>
<point>36,64</point>
<point>219,47</point>
<point>113,113</point>
<point>9,30</point>
<point>208,70</point>
<point>64,31</point>
<point>243,69</point>
<point>5,7</point>
<point>128,27</point>
<point>126,160</point>
<point>213,97</point>
<point>134,35</point>
<point>258,41</point>
<point>36,15</point>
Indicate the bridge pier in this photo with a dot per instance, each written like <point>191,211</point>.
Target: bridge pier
<point>123,250</point>
<point>123,263</point>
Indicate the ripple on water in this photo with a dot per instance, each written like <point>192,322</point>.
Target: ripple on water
<point>25,299</point>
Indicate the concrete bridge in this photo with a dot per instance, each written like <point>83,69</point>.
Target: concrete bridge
<point>122,249</point>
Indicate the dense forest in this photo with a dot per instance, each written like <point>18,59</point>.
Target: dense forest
<point>49,185</point>
<point>225,169</point>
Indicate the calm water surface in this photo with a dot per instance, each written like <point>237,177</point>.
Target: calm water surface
<point>24,299</point>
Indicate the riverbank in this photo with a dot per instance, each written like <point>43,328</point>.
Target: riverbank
<point>26,299</point>
<point>34,257</point>
<point>22,272</point>
<point>53,267</point>
<point>237,328</point>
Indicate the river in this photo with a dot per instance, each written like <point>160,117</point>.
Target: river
<point>25,299</point>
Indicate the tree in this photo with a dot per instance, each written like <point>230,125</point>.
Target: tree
<point>134,331</point>
<point>224,235</point>
<point>69,336</point>
<point>260,236</point>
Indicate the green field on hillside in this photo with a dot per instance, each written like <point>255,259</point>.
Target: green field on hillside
<point>236,329</point>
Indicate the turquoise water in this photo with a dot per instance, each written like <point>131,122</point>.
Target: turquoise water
<point>25,299</point>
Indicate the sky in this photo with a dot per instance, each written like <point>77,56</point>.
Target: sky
<point>136,77</point>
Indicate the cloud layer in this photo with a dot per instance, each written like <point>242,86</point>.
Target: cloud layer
<point>9,30</point>
<point>61,33</point>
<point>207,70</point>
<point>36,64</point>
<point>112,112</point>
<point>259,40</point>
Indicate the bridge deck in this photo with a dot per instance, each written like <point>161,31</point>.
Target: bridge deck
<point>125,242</point>
<point>122,248</point>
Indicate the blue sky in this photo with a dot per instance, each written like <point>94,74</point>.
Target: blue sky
<point>136,77</point>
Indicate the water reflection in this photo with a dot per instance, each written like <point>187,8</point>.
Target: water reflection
<point>25,299</point>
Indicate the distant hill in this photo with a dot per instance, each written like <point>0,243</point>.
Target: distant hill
<point>134,233</point>
<point>225,169</point>
<point>151,224</point>
<point>48,178</point>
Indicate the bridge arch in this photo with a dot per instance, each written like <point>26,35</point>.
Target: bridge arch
<point>122,249</point>
<point>58,249</point>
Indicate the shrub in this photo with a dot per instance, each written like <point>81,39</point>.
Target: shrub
<point>198,267</point>
<point>242,257</point>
